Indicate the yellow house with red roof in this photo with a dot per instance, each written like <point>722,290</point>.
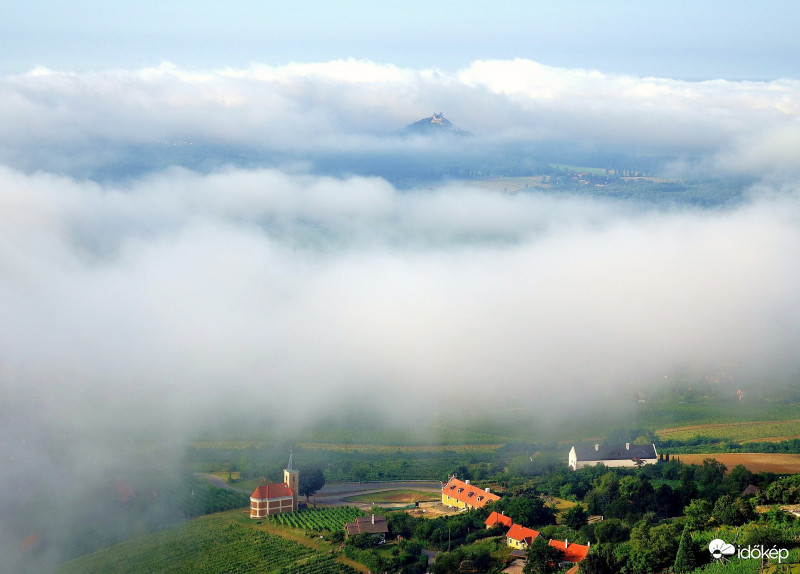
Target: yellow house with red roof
<point>520,537</point>
<point>461,494</point>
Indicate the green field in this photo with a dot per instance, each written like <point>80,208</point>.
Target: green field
<point>218,544</point>
<point>740,432</point>
<point>663,415</point>
<point>580,169</point>
<point>318,519</point>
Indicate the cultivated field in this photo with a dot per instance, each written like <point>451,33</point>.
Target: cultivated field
<point>754,462</point>
<point>212,544</point>
<point>318,519</point>
<point>767,431</point>
<point>390,449</point>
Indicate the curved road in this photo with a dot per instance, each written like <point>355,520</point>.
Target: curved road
<point>335,494</point>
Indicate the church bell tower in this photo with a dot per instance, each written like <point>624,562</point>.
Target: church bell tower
<point>291,478</point>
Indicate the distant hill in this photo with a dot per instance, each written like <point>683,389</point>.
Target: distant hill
<point>435,124</point>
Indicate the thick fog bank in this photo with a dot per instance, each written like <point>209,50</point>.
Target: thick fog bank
<point>191,291</point>
<point>143,308</point>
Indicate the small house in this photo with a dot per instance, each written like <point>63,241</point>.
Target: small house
<point>573,553</point>
<point>520,538</point>
<point>497,519</point>
<point>372,525</point>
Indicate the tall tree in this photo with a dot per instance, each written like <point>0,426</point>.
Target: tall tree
<point>576,517</point>
<point>684,560</point>
<point>542,558</point>
<point>311,481</point>
<point>698,513</point>
<point>525,510</point>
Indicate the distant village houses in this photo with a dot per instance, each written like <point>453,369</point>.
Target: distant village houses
<point>612,455</point>
<point>519,538</point>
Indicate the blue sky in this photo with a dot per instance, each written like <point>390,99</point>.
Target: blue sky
<point>687,40</point>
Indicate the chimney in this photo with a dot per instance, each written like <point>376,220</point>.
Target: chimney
<point>373,520</point>
<point>487,489</point>
<point>566,543</point>
<point>466,482</point>
<point>596,447</point>
<point>627,446</point>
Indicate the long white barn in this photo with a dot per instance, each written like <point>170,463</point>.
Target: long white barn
<point>612,455</point>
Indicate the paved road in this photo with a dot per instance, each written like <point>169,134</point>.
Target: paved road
<point>334,494</point>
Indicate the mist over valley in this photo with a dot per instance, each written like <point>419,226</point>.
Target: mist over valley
<point>203,269</point>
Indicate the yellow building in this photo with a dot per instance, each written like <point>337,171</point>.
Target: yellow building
<point>520,537</point>
<point>461,494</point>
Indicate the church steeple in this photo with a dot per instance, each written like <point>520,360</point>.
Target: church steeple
<point>291,478</point>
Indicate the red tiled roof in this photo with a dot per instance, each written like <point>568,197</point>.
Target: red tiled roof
<point>496,518</point>
<point>469,493</point>
<point>517,532</point>
<point>572,552</point>
<point>271,491</point>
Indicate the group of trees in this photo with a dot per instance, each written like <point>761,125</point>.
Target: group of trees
<point>657,517</point>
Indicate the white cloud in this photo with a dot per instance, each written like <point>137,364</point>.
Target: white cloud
<point>256,280</point>
<point>299,108</point>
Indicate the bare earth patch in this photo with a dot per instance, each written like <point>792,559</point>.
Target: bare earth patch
<point>432,510</point>
<point>754,462</point>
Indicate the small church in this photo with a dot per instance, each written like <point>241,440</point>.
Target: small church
<point>276,498</point>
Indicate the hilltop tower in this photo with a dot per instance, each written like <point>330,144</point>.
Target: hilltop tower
<point>291,478</point>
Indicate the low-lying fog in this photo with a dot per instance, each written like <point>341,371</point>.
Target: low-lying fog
<point>147,306</point>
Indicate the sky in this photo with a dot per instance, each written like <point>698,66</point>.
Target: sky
<point>147,298</point>
<point>687,40</point>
